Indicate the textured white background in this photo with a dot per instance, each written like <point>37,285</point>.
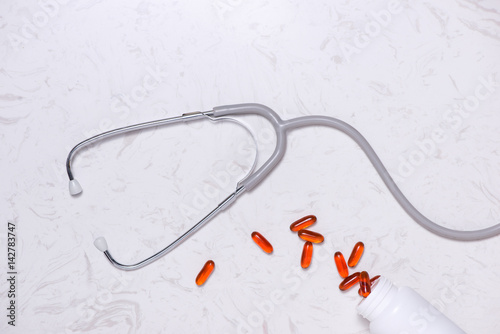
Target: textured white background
<point>68,75</point>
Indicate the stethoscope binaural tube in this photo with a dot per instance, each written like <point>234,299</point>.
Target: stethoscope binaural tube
<point>75,187</point>
<point>281,128</point>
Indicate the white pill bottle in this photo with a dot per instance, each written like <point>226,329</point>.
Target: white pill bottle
<point>400,310</point>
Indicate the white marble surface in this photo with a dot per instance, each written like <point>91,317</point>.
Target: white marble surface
<point>93,65</point>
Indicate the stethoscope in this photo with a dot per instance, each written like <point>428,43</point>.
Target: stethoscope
<point>255,177</point>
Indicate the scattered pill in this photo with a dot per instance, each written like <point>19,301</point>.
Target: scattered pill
<point>262,242</point>
<point>356,253</point>
<point>311,236</point>
<point>349,281</point>
<point>372,280</point>
<point>205,272</point>
<point>341,265</point>
<point>364,284</point>
<point>302,223</point>
<point>307,253</point>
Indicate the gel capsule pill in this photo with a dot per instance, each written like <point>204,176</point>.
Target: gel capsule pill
<point>364,284</point>
<point>372,280</point>
<point>349,281</point>
<point>302,223</point>
<point>311,236</point>
<point>356,253</point>
<point>307,254</point>
<point>262,242</point>
<point>341,265</point>
<point>205,272</point>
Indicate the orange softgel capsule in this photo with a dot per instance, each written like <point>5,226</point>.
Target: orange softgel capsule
<point>205,272</point>
<point>262,242</point>
<point>356,253</point>
<point>341,265</point>
<point>364,284</point>
<point>307,254</point>
<point>302,223</point>
<point>372,280</point>
<point>349,281</point>
<point>311,236</point>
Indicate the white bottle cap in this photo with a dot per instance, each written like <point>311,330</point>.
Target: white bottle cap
<point>371,306</point>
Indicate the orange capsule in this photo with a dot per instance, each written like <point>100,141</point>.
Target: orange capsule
<point>341,265</point>
<point>364,284</point>
<point>205,272</point>
<point>307,254</point>
<point>262,242</point>
<point>303,222</point>
<point>349,281</point>
<point>372,280</point>
<point>311,236</point>
<point>357,251</point>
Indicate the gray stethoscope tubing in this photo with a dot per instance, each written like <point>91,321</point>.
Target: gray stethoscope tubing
<point>252,180</point>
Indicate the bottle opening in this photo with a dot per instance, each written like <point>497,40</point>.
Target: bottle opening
<point>371,306</point>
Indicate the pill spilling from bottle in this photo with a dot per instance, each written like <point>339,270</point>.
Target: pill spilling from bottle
<point>372,280</point>
<point>364,284</point>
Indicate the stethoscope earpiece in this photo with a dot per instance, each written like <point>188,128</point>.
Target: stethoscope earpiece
<point>74,187</point>
<point>101,244</point>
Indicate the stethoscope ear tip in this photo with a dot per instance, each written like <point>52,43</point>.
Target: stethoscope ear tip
<point>74,187</point>
<point>101,244</point>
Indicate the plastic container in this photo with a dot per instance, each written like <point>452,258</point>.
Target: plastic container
<point>400,310</point>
